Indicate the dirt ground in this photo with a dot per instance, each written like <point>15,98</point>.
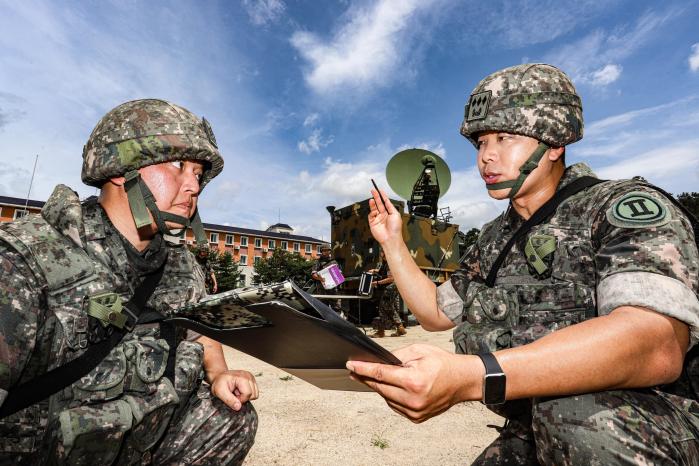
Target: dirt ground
<point>302,424</point>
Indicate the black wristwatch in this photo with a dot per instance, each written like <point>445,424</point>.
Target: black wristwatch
<point>494,380</point>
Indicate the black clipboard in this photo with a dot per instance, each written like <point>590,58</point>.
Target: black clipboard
<point>284,326</point>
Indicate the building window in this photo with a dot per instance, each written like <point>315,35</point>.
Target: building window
<point>243,241</point>
<point>271,244</point>
<point>285,245</point>
<point>243,260</point>
<point>229,240</point>
<point>318,250</point>
<point>257,259</point>
<point>308,248</point>
<point>297,248</point>
<point>258,243</point>
<point>19,213</point>
<point>213,238</point>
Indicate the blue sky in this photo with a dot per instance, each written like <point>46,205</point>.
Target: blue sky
<point>310,99</point>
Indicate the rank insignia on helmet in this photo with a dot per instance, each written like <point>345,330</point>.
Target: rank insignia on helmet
<point>637,209</point>
<point>477,107</point>
<point>209,132</point>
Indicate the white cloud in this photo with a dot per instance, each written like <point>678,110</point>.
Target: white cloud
<point>311,119</point>
<point>674,168</point>
<point>594,58</point>
<point>521,23</point>
<point>606,75</point>
<point>436,147</point>
<point>315,142</point>
<point>632,132</point>
<point>77,63</point>
<point>366,51</point>
<point>263,12</point>
<point>694,58</point>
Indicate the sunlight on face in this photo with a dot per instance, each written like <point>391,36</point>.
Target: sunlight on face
<point>500,156</point>
<point>175,186</point>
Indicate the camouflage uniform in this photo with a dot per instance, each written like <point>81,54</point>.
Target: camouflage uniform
<point>207,269</point>
<point>56,265</point>
<point>613,244</point>
<point>389,301</point>
<point>596,267</point>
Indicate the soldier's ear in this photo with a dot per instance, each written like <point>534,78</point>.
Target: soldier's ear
<point>555,153</point>
<point>117,180</point>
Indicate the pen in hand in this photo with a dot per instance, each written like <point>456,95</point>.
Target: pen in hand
<point>378,192</point>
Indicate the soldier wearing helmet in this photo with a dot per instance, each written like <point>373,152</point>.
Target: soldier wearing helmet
<point>575,314</point>
<point>103,273</point>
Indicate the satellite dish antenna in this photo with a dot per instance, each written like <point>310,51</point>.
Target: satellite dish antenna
<point>421,177</point>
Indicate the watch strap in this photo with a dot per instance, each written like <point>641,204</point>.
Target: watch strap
<point>491,364</point>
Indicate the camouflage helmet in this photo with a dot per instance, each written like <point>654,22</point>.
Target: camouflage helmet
<point>535,100</point>
<point>146,132</point>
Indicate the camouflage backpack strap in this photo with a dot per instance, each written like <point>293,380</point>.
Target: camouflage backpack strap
<point>544,212</point>
<point>45,385</point>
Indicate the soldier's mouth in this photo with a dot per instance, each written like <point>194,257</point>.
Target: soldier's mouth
<point>491,178</point>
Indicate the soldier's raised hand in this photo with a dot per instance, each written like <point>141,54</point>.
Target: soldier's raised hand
<point>385,221</point>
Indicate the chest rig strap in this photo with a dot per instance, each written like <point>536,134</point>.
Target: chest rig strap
<point>45,385</point>
<point>544,212</point>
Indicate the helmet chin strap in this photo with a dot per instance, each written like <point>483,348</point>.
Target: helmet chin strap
<point>141,200</point>
<point>524,171</point>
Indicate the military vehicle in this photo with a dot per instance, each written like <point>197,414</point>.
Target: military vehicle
<point>421,178</point>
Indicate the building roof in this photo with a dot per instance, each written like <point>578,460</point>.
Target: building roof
<point>261,233</point>
<point>280,225</point>
<point>19,202</point>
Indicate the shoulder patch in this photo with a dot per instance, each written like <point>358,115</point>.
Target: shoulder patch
<point>637,210</point>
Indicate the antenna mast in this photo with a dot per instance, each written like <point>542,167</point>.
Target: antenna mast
<point>31,181</point>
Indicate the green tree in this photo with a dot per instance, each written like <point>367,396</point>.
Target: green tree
<point>227,272</point>
<point>467,239</point>
<point>691,202</point>
<point>282,265</point>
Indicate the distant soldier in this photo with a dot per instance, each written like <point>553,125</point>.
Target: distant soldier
<point>93,280</point>
<point>576,309</point>
<point>207,268</point>
<point>389,301</point>
<point>323,261</point>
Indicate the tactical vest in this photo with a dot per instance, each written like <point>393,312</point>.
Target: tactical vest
<point>69,255</point>
<point>524,306</point>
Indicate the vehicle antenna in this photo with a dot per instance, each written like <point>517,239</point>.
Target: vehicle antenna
<point>31,181</point>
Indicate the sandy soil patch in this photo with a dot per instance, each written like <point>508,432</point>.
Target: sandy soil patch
<point>302,424</point>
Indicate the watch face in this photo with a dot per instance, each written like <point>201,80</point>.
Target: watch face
<point>494,389</point>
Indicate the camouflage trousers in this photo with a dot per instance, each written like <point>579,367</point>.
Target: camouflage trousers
<point>389,306</point>
<point>205,432</point>
<point>639,427</point>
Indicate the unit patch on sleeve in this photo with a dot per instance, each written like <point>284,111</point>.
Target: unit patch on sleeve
<point>637,210</point>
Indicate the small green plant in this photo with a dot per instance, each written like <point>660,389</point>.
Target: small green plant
<point>379,441</point>
<point>286,378</point>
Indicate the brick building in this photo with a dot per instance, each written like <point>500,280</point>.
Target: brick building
<point>12,208</point>
<point>247,246</point>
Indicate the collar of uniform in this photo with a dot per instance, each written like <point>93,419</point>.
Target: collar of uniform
<point>93,219</point>
<point>573,172</point>
<point>511,220</point>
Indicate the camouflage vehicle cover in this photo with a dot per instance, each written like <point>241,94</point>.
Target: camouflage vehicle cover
<point>433,244</point>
